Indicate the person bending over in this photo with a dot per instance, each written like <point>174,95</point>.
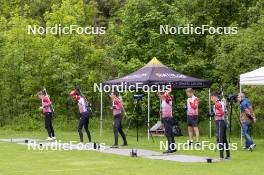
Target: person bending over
<point>247,117</point>
<point>84,114</point>
<point>192,115</point>
<point>167,119</point>
<point>47,111</point>
<point>117,107</point>
<point>219,116</point>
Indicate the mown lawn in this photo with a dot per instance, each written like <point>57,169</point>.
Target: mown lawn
<point>16,159</point>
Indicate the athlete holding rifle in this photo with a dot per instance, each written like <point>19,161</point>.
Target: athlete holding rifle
<point>47,109</point>
<point>167,119</point>
<point>85,113</point>
<point>117,108</point>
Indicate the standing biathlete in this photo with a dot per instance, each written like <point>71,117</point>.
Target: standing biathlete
<point>192,115</point>
<point>167,119</point>
<point>47,111</point>
<point>84,114</point>
<point>117,113</point>
<point>219,116</point>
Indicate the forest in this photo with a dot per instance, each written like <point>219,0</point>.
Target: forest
<point>29,62</point>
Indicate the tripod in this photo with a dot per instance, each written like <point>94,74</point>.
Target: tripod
<point>231,103</point>
<point>138,111</point>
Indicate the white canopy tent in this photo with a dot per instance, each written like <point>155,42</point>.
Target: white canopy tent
<point>255,77</point>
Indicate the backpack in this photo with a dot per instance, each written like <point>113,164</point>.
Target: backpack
<point>176,129</point>
<point>88,107</point>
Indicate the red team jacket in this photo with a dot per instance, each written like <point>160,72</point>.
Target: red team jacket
<point>81,101</point>
<point>192,106</point>
<point>46,104</point>
<point>117,106</point>
<point>219,110</point>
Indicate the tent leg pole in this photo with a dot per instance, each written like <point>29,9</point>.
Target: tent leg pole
<point>101,114</point>
<point>241,131</point>
<point>148,112</point>
<point>210,119</point>
<point>160,113</point>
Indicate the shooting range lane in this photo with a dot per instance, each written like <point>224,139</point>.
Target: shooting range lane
<point>124,152</point>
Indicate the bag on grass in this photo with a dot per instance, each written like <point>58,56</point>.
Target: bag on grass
<point>176,129</point>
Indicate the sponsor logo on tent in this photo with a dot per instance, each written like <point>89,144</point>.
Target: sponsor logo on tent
<point>168,75</point>
<point>135,76</point>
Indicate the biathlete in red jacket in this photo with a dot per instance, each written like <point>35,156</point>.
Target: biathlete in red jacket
<point>192,115</point>
<point>47,111</point>
<point>219,116</point>
<point>117,109</point>
<point>167,119</point>
<point>84,114</point>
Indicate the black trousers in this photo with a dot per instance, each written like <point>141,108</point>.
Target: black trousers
<point>168,124</point>
<point>118,128</point>
<point>48,124</point>
<point>83,123</point>
<point>221,138</point>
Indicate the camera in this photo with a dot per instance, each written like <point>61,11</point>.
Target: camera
<point>211,114</point>
<point>232,98</point>
<point>138,96</point>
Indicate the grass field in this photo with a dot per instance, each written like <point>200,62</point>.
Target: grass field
<point>16,159</point>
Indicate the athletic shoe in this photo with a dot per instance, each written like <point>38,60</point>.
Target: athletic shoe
<point>252,147</point>
<point>125,144</point>
<point>49,139</point>
<point>190,142</point>
<point>114,146</point>
<point>175,150</point>
<point>54,138</point>
<point>169,151</point>
<point>198,144</point>
<point>228,158</point>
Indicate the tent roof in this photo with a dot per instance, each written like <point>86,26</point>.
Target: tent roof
<point>155,72</point>
<point>255,77</point>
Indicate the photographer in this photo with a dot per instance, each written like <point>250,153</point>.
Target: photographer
<point>167,119</point>
<point>219,116</point>
<point>247,117</point>
<point>84,114</point>
<point>192,115</point>
<point>117,108</point>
